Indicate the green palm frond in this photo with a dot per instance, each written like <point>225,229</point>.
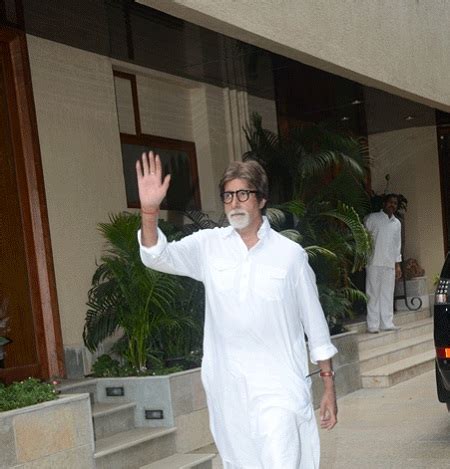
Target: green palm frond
<point>128,296</point>
<point>276,217</point>
<point>319,251</point>
<point>293,235</point>
<point>296,207</point>
<point>338,190</point>
<point>353,294</point>
<point>350,218</point>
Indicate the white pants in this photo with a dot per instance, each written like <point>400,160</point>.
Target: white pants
<point>286,444</point>
<point>380,284</point>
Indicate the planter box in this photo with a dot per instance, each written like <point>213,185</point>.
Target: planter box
<point>180,397</point>
<point>57,433</point>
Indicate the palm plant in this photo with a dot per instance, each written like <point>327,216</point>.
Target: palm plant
<point>126,295</point>
<point>321,176</point>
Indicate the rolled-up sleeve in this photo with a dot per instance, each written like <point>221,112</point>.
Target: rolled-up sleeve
<point>178,257</point>
<point>312,315</point>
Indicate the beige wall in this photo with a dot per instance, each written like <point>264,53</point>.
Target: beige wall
<point>390,45</point>
<point>78,127</point>
<point>410,157</point>
<point>80,148</point>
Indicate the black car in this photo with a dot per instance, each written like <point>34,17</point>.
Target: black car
<point>442,334</point>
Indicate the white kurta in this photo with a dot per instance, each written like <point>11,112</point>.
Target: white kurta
<point>387,239</point>
<point>259,304</point>
<point>380,271</point>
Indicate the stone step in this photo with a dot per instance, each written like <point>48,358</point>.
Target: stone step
<point>112,418</point>
<point>407,331</point>
<point>183,461</point>
<point>77,386</point>
<point>383,355</point>
<point>134,448</point>
<point>402,370</point>
<point>400,318</point>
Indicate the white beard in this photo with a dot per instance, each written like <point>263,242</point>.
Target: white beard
<point>239,219</point>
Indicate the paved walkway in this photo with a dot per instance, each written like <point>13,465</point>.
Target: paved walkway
<point>395,428</point>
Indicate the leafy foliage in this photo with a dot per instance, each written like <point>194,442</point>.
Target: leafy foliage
<point>317,179</point>
<point>25,393</point>
<point>311,163</point>
<point>107,367</point>
<point>151,308</point>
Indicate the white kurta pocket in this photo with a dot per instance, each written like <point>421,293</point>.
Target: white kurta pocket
<point>269,281</point>
<point>223,272</point>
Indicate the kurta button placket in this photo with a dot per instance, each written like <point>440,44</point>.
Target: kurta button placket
<point>245,279</point>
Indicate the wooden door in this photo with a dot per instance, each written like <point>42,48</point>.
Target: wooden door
<point>27,283</point>
<point>15,297</point>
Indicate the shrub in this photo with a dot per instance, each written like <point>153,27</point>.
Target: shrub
<point>107,367</point>
<point>25,393</point>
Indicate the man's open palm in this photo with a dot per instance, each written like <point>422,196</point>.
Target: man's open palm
<point>152,189</point>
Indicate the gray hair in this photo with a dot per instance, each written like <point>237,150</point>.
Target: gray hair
<point>252,172</point>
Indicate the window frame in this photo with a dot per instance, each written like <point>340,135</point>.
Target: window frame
<point>157,141</point>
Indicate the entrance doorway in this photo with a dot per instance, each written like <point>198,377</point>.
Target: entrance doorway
<point>27,285</point>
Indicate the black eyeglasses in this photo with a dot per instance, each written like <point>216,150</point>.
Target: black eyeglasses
<point>242,195</point>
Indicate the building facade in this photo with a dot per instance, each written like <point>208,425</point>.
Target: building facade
<point>85,82</point>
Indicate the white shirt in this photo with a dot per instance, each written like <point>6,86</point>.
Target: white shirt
<point>387,239</point>
<point>259,304</point>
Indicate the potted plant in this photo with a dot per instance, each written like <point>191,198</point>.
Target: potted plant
<point>159,315</point>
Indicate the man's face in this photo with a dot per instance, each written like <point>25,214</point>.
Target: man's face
<point>243,214</point>
<point>390,206</point>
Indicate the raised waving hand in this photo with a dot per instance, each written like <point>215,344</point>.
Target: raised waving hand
<point>152,187</point>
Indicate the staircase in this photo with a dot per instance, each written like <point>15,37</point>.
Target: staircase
<point>390,357</point>
<point>119,444</point>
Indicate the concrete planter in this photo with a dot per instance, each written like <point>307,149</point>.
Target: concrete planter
<point>180,397</point>
<point>52,434</point>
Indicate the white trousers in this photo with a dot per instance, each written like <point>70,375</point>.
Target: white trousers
<point>285,444</point>
<point>380,284</point>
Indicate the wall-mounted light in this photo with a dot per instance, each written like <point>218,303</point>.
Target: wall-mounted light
<point>409,118</point>
<point>345,118</point>
<point>154,414</point>
<point>115,391</point>
<point>356,101</point>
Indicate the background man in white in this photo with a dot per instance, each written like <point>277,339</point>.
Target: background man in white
<point>384,265</point>
<point>261,299</point>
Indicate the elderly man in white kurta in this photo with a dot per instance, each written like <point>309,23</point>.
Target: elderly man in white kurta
<point>261,300</point>
<point>383,266</point>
